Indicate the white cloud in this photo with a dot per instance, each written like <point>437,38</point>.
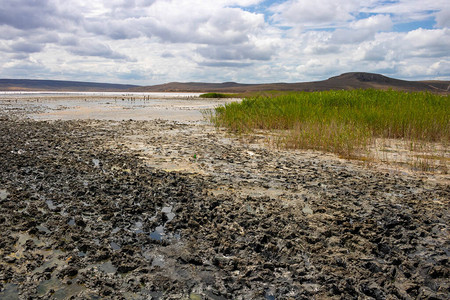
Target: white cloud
<point>115,29</point>
<point>245,51</point>
<point>407,10</point>
<point>375,52</point>
<point>322,48</point>
<point>89,47</point>
<point>26,47</point>
<point>429,43</point>
<point>373,23</point>
<point>223,32</point>
<point>314,13</point>
<point>207,24</point>
<point>156,41</point>
<point>361,30</point>
<point>24,14</point>
<point>443,17</point>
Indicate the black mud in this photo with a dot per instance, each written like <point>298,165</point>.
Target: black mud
<point>83,220</point>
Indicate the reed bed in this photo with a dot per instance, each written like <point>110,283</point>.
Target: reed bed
<point>218,95</point>
<point>343,122</point>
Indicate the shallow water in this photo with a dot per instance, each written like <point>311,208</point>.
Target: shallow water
<point>111,106</point>
<point>10,292</point>
<point>168,211</point>
<point>27,94</point>
<point>107,267</point>
<point>114,246</point>
<point>159,233</point>
<point>3,194</point>
<point>61,290</point>
<point>51,205</point>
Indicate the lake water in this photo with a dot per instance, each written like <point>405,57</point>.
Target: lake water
<point>105,94</point>
<point>109,105</point>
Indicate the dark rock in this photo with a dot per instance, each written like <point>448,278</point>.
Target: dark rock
<point>68,272</point>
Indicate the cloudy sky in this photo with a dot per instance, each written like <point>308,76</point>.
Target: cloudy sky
<point>250,41</point>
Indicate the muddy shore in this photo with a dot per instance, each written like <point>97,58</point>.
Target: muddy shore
<point>160,209</point>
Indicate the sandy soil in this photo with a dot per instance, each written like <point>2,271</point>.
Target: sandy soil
<point>164,209</point>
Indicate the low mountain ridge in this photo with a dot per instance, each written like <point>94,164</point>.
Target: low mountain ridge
<point>378,81</point>
<point>346,81</point>
<point>60,85</point>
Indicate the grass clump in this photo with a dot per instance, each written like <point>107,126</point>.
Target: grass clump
<point>343,122</point>
<point>217,95</point>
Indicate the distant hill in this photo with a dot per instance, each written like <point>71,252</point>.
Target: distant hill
<point>346,81</point>
<point>197,87</point>
<point>60,85</point>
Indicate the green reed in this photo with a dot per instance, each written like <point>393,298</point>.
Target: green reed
<point>343,122</point>
<point>218,95</point>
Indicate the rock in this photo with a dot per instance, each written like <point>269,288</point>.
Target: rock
<point>241,230</point>
<point>307,210</point>
<point>373,290</point>
<point>194,296</point>
<point>125,268</point>
<point>9,259</point>
<point>69,271</point>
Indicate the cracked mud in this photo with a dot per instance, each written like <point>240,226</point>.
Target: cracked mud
<point>166,210</point>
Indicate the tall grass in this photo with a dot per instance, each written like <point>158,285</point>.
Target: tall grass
<point>343,122</point>
<point>218,95</point>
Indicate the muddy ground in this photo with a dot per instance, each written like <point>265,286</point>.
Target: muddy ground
<point>167,210</point>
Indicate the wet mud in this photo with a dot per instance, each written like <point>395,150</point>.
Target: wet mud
<point>163,210</point>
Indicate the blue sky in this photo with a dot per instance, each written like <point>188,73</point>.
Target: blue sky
<point>250,41</point>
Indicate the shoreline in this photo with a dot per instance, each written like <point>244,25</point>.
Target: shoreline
<point>167,209</point>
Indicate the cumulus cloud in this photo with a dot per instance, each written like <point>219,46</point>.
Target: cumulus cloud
<point>94,48</point>
<point>31,69</point>
<point>313,13</point>
<point>9,33</point>
<point>114,29</point>
<point>443,17</point>
<point>26,14</point>
<point>362,30</point>
<point>68,40</point>
<point>155,41</point>
<point>317,67</point>
<point>133,75</point>
<point>349,36</point>
<point>322,49</point>
<point>238,52</point>
<point>214,22</point>
<point>20,56</point>
<point>167,54</point>
<point>407,10</point>
<point>373,23</point>
<point>206,25</point>
<point>440,68</point>
<point>224,64</point>
<point>428,43</point>
<point>374,53</point>
<point>26,47</point>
